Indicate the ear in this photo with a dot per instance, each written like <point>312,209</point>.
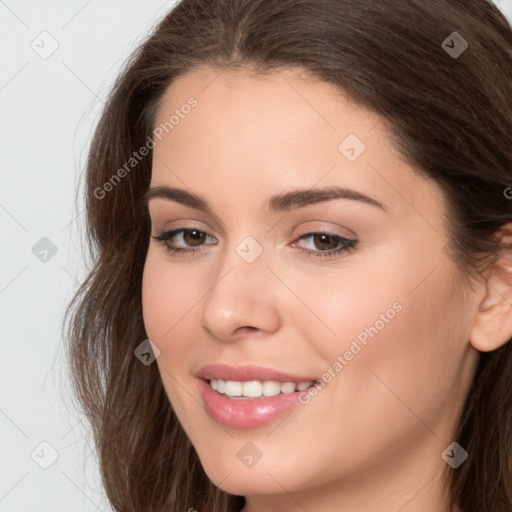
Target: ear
<point>492,327</point>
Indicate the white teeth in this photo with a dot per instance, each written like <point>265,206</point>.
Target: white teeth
<point>271,388</point>
<point>256,388</point>
<point>233,388</point>
<point>303,385</point>
<point>287,387</point>
<point>252,389</point>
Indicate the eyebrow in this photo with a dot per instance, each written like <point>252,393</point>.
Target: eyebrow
<point>277,203</point>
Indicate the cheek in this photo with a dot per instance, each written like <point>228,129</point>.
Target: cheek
<point>167,298</point>
<point>353,310</point>
<point>395,332</point>
<point>157,302</point>
<point>402,371</point>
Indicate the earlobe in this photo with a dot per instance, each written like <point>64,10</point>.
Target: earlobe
<point>492,327</point>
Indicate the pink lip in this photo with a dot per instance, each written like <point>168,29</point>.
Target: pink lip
<point>252,413</point>
<point>247,373</point>
<point>246,414</point>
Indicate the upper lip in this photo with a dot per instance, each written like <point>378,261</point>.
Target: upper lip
<point>248,372</point>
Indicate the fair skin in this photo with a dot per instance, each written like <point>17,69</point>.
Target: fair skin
<point>372,438</point>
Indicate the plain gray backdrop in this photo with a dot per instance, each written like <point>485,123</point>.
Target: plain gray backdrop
<point>58,60</point>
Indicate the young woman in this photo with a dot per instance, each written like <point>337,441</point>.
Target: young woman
<point>301,300</point>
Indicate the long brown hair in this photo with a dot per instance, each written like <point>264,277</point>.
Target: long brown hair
<point>450,117</point>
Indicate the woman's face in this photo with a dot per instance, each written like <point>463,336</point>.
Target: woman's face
<point>354,290</point>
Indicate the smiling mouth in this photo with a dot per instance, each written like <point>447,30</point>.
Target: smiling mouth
<point>248,390</point>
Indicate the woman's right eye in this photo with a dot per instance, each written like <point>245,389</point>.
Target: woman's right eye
<point>191,237</point>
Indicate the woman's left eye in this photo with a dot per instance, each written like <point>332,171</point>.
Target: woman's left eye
<point>329,244</point>
<point>322,239</point>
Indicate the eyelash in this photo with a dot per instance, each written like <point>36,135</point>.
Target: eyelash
<point>348,244</point>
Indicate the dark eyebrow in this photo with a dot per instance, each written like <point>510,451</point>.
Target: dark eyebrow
<point>304,197</point>
<point>176,194</point>
<point>278,203</point>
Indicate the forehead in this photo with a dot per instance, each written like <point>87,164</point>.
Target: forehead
<point>286,98</point>
<point>285,128</point>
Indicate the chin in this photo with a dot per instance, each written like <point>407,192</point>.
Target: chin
<point>234,478</point>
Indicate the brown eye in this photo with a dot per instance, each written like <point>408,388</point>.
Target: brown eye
<point>185,240</point>
<point>193,237</point>
<point>325,245</point>
<point>325,242</point>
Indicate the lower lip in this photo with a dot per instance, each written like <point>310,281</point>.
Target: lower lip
<point>246,414</point>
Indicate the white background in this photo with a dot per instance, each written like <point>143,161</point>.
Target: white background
<point>48,111</point>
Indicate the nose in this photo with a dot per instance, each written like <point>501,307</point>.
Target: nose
<point>242,299</point>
